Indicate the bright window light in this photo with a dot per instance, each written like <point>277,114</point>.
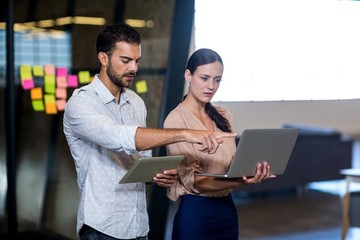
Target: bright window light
<point>283,49</point>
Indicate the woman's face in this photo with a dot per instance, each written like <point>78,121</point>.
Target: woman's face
<point>205,81</point>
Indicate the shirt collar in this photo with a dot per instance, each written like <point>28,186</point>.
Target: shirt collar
<point>104,93</point>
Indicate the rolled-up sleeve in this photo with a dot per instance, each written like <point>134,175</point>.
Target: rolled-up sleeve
<point>85,118</point>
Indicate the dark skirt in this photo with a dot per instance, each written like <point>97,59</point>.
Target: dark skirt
<point>206,218</point>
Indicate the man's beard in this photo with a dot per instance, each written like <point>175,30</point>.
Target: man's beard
<point>116,78</point>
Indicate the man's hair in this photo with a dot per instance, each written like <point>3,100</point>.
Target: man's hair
<point>120,32</point>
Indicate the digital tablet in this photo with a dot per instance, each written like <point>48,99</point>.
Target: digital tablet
<point>144,169</point>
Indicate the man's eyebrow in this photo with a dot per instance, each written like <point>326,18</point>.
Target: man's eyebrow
<point>129,58</point>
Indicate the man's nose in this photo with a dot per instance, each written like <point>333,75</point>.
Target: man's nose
<point>133,66</point>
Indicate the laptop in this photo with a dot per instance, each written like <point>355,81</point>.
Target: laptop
<point>145,169</point>
<point>273,145</point>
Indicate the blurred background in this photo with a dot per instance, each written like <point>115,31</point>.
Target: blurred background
<point>38,189</point>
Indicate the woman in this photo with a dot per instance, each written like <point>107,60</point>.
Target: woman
<point>206,210</point>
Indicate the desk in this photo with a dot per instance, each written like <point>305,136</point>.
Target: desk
<point>352,175</point>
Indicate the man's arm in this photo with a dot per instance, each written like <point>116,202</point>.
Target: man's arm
<point>148,138</point>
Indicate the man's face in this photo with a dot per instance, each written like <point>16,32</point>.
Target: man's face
<point>123,64</point>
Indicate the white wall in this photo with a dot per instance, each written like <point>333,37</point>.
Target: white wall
<point>342,115</point>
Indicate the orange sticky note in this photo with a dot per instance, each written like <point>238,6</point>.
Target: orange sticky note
<point>50,108</point>
<point>36,93</point>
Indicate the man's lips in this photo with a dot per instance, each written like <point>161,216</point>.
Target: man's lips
<point>129,77</point>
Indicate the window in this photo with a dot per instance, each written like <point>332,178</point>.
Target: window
<point>283,49</point>
<point>36,49</point>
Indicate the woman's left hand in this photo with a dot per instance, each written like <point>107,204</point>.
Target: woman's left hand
<point>262,172</point>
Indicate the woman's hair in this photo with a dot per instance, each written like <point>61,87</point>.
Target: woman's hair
<point>113,34</point>
<point>201,57</point>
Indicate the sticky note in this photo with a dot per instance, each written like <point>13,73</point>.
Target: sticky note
<point>49,98</point>
<point>50,104</point>
<point>84,77</point>
<point>27,84</point>
<point>61,93</point>
<point>49,82</point>
<point>49,69</point>
<point>25,72</point>
<point>60,104</point>
<point>61,72</point>
<point>38,105</point>
<point>141,86</point>
<point>72,81</point>
<point>36,93</point>
<point>61,81</point>
<point>38,71</point>
<point>50,108</point>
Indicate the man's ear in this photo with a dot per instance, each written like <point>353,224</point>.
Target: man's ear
<point>103,58</point>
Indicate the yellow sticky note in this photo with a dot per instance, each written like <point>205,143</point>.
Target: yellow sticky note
<point>49,98</point>
<point>84,77</point>
<point>36,93</point>
<point>38,71</point>
<point>141,86</point>
<point>25,72</point>
<point>49,82</point>
<point>38,105</point>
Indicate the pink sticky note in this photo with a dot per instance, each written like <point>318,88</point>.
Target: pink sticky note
<point>27,84</point>
<point>73,80</point>
<point>61,72</point>
<point>61,81</point>
<point>49,69</point>
<point>60,104</point>
<point>61,93</point>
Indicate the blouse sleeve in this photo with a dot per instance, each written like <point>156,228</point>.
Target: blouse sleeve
<point>188,166</point>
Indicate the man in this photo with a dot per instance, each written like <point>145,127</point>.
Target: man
<point>105,127</point>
